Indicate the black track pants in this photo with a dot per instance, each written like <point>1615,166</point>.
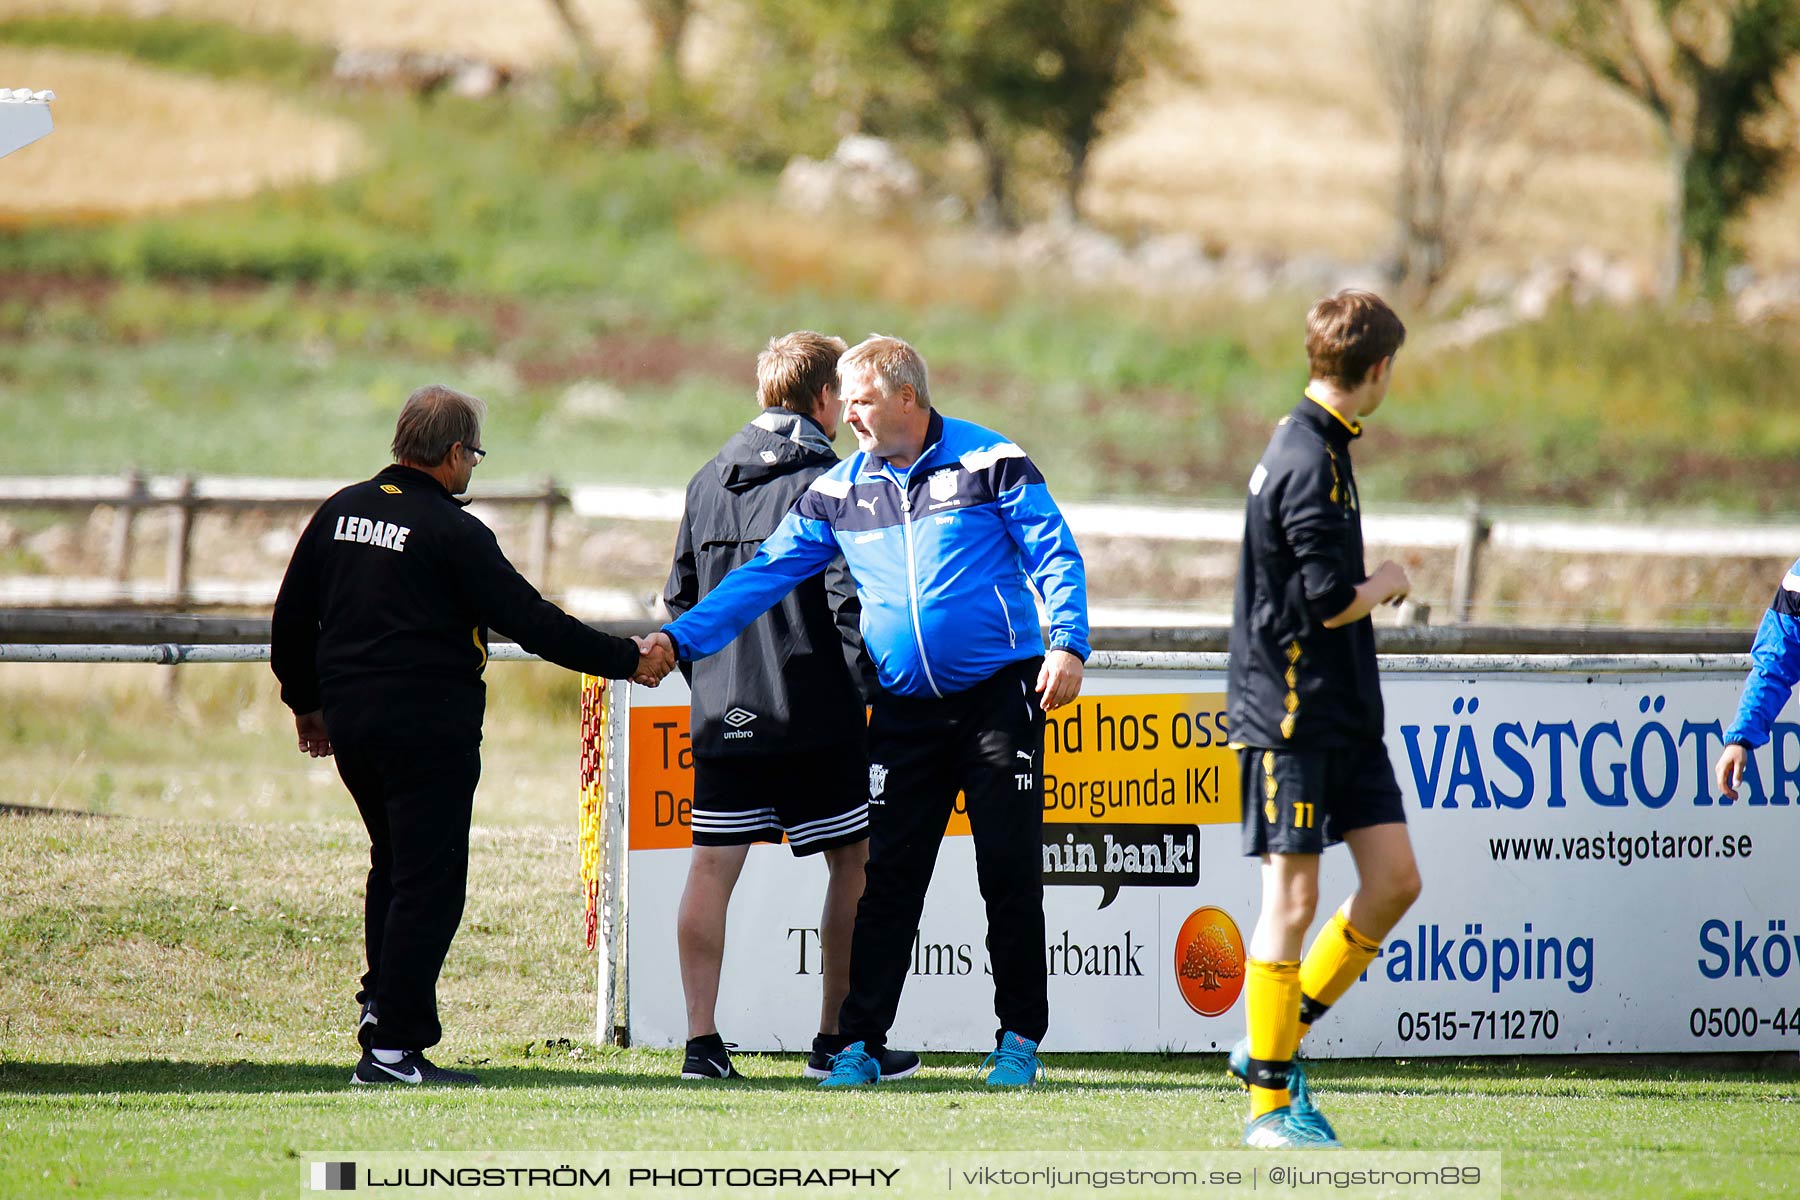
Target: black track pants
<point>987,742</point>
<point>415,802</point>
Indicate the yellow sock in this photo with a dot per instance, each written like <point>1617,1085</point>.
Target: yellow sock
<point>1338,955</point>
<point>1272,1003</point>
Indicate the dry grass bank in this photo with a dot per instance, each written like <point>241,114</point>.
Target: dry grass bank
<point>130,138</point>
<point>1282,147</point>
<point>519,33</point>
<point>1286,147</point>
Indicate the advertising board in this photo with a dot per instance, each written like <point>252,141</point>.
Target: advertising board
<point>1584,888</point>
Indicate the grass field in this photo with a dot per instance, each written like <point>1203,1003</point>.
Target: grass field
<point>109,740</point>
<point>177,1007</point>
<point>176,970</point>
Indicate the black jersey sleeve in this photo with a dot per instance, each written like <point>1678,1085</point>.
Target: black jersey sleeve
<point>294,627</point>
<point>1315,526</point>
<point>506,602</point>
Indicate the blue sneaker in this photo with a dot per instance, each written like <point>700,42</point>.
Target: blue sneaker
<point>1237,1063</point>
<point>1301,1107</point>
<point>1014,1064</point>
<point>1277,1130</point>
<point>894,1064</point>
<point>1303,1112</point>
<point>852,1066</point>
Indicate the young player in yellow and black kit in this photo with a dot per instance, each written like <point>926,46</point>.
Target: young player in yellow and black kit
<point>1306,715</point>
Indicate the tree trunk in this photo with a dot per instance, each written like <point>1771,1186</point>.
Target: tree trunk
<point>1406,222</point>
<point>995,210</point>
<point>1075,179</point>
<point>587,49</point>
<point>669,22</point>
<point>1673,272</point>
<point>996,204</point>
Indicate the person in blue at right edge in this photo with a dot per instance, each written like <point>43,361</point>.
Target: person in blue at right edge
<point>1774,669</point>
<point>945,527</point>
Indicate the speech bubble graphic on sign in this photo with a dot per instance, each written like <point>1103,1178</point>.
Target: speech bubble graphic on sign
<point>1110,857</point>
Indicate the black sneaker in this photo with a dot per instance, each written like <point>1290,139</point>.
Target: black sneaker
<point>414,1068</point>
<point>895,1064</point>
<point>708,1057</point>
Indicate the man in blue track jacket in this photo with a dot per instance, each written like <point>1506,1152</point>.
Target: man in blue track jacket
<point>945,527</point>
<point>1774,669</point>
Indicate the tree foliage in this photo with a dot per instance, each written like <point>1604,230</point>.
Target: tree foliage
<point>669,21</point>
<point>1709,72</point>
<point>995,71</point>
<point>1073,61</point>
<point>1456,90</point>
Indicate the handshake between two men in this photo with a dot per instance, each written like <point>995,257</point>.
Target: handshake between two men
<point>656,658</point>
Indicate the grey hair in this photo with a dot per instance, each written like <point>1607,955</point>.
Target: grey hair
<point>434,419</point>
<point>890,360</point>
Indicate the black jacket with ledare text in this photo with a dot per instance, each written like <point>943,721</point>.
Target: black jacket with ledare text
<point>1295,684</point>
<point>796,678</point>
<point>383,616</point>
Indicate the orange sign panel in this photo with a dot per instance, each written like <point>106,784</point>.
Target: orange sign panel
<point>1120,760</point>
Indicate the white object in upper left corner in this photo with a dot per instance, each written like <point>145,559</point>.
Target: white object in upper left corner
<point>24,119</point>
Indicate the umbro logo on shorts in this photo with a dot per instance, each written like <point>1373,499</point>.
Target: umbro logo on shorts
<point>737,718</point>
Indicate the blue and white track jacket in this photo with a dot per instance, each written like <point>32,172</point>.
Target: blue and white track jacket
<point>941,554</point>
<point>1774,666</point>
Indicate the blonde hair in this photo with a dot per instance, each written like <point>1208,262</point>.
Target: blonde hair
<point>891,361</point>
<point>795,368</point>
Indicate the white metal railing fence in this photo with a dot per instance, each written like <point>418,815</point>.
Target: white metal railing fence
<point>1468,533</point>
<point>182,653</point>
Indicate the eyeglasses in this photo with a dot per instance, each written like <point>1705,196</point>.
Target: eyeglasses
<point>478,452</point>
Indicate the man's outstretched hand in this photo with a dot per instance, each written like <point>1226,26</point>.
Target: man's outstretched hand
<point>656,658</point>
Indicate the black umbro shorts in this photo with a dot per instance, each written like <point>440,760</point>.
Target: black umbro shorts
<point>818,800</point>
<point>1301,801</point>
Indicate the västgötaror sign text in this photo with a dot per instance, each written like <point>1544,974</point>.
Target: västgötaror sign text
<point>1557,819</point>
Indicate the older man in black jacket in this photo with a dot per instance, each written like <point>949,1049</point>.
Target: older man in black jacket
<point>379,642</point>
<point>777,720</point>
